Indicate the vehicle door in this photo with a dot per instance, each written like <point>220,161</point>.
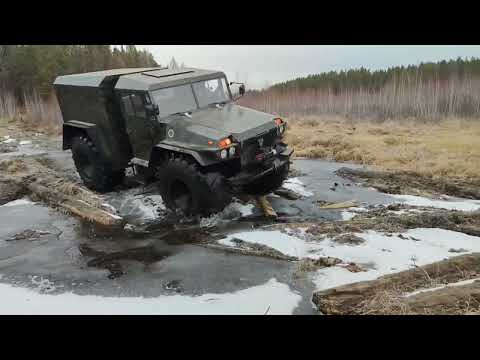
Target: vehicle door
<point>139,124</point>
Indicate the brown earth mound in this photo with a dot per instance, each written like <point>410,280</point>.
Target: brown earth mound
<point>385,294</point>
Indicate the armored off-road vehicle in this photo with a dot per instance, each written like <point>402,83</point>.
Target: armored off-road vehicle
<point>177,128</point>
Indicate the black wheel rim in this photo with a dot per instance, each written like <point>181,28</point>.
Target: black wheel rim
<point>181,196</point>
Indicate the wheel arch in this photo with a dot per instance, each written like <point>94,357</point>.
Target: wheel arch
<point>73,129</point>
<point>161,150</point>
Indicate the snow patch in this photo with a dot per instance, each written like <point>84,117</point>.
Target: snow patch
<point>9,140</point>
<point>382,254</point>
<point>458,283</point>
<point>272,298</point>
<point>347,215</point>
<point>378,255</point>
<point>232,211</point>
<point>139,208</point>
<point>295,185</point>
<point>25,142</point>
<point>18,202</point>
<point>242,209</point>
<point>43,285</point>
<point>462,205</point>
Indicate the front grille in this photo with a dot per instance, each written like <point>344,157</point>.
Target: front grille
<point>251,147</point>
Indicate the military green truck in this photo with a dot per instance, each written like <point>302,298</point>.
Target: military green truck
<point>177,128</point>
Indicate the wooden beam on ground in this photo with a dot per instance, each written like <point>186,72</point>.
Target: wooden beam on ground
<point>339,205</point>
<point>266,207</point>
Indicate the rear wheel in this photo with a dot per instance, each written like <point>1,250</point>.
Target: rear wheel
<point>184,187</point>
<point>95,174</point>
<point>269,183</point>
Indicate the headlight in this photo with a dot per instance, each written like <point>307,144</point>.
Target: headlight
<point>232,151</point>
<point>223,154</point>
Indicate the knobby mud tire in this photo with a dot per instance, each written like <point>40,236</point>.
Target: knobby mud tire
<point>95,173</point>
<point>209,192</point>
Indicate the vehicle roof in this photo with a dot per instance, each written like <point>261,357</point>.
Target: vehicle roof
<point>152,80</point>
<point>95,78</point>
<point>139,78</point>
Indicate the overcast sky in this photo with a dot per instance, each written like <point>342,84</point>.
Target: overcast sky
<point>261,65</point>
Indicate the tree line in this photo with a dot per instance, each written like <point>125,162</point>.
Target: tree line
<point>33,68</point>
<point>351,80</point>
<point>427,91</point>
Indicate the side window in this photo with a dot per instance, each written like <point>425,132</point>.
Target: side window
<point>127,105</point>
<point>138,105</point>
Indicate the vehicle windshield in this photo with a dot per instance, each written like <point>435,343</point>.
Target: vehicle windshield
<point>180,99</point>
<point>211,92</point>
<point>174,100</point>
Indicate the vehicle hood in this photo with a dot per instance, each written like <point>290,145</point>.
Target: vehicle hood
<point>241,122</point>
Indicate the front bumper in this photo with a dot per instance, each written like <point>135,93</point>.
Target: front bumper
<point>246,177</point>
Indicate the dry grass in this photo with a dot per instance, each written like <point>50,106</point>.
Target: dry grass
<point>40,114</point>
<point>446,148</point>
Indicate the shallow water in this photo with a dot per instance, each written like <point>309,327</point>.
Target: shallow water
<point>159,254</point>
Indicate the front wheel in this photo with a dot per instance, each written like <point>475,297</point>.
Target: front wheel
<point>184,187</point>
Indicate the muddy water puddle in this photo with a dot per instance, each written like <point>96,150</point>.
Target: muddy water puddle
<point>44,250</point>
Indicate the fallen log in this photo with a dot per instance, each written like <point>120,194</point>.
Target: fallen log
<point>75,206</point>
<point>353,298</point>
<point>249,252</point>
<point>447,300</point>
<point>29,176</point>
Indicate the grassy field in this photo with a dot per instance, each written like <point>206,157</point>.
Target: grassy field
<point>448,148</point>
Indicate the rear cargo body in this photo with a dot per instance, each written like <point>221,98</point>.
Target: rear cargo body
<point>90,105</point>
<point>90,98</point>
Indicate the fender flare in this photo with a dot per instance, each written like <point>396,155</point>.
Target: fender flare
<point>73,128</point>
<point>198,157</point>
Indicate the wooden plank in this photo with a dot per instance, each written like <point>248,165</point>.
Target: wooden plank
<point>266,207</point>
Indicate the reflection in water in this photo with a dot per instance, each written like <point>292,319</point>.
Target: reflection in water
<point>112,261</point>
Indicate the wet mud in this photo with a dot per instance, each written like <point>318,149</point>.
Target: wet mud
<point>404,182</point>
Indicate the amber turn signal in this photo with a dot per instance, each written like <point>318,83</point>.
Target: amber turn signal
<point>224,143</point>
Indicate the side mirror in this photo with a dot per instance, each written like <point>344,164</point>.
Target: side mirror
<point>152,110</point>
<point>241,88</point>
